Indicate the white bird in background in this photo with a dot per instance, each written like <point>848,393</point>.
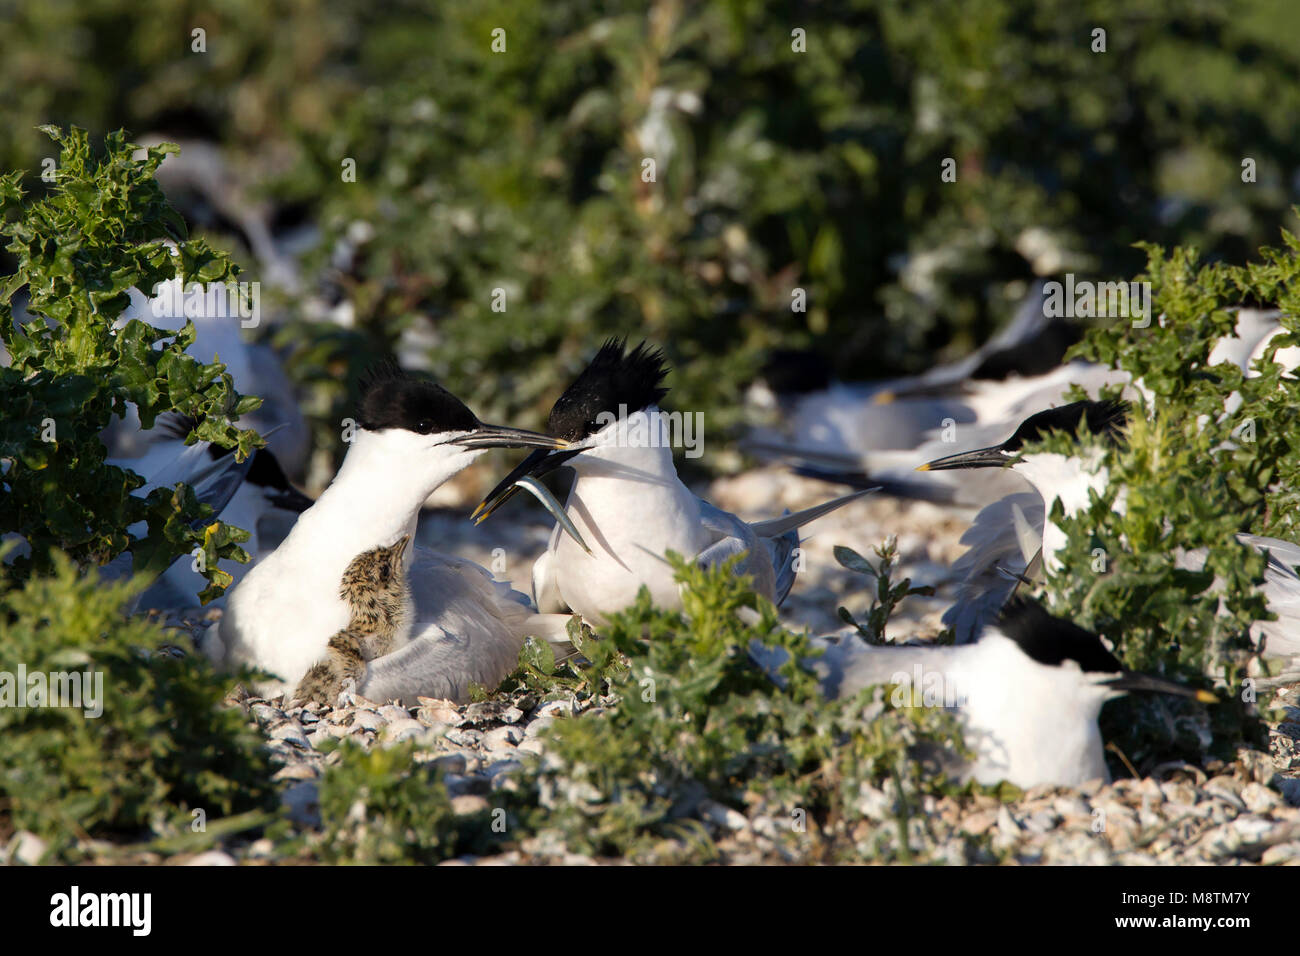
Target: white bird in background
<point>1008,535</point>
<point>265,504</point>
<point>872,435</point>
<point>254,369</point>
<point>1028,693</point>
<point>629,504</point>
<point>214,477</point>
<point>465,628</point>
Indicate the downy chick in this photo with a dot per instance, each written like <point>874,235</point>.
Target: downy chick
<point>379,599</point>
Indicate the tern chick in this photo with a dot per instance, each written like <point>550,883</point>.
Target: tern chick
<point>376,591</point>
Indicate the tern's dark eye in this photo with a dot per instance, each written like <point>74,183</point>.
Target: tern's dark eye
<point>424,426</point>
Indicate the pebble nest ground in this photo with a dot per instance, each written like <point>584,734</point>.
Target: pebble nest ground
<point>1245,812</point>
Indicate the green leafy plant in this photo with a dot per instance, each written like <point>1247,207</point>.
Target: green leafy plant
<point>589,671</point>
<point>888,594</point>
<point>104,229</point>
<point>161,745</point>
<point>385,806</point>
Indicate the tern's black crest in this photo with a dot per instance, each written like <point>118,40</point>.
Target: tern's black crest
<point>390,398</point>
<point>633,381</point>
<point>1101,418</point>
<point>1053,640</point>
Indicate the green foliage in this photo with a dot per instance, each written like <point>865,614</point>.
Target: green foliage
<point>588,671</point>
<point>162,745</point>
<point>774,169</point>
<point>888,594</point>
<point>104,229</point>
<point>385,806</point>
<point>1197,468</point>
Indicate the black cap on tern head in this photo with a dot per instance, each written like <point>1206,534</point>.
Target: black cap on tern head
<point>391,398</point>
<point>1100,418</point>
<point>612,379</point>
<point>1053,640</point>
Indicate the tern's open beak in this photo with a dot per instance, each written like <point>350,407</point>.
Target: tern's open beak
<point>993,457</point>
<point>1133,680</point>
<point>540,462</point>
<point>503,436</point>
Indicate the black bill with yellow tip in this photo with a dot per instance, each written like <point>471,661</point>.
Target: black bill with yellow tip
<point>992,457</point>
<point>1136,681</point>
<point>541,462</point>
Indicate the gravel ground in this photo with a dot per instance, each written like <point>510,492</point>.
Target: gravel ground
<point>1239,813</point>
<point>1220,814</point>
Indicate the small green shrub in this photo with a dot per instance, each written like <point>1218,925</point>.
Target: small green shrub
<point>384,806</point>
<point>888,595</point>
<point>162,747</point>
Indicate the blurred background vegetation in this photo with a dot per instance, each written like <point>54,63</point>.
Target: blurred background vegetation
<point>775,169</point>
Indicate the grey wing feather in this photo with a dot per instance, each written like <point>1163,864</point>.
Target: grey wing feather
<point>468,630</point>
<point>272,528</point>
<point>775,527</point>
<point>782,551</point>
<point>849,665</point>
<point>737,537</point>
<point>1282,589</point>
<point>994,542</point>
<point>1286,552</point>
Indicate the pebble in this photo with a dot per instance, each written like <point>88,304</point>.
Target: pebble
<point>404,728</point>
<point>434,712</point>
<point>502,738</point>
<point>290,732</point>
<point>26,848</point>
<point>211,858</point>
<point>450,763</point>
<point>465,738</point>
<point>722,816</point>
<point>368,720</point>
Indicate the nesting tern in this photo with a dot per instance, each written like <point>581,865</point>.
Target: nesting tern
<point>1028,692</point>
<point>464,628</point>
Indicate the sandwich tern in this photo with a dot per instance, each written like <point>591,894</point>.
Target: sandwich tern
<point>465,627</point>
<point>627,507</point>
<point>997,559</point>
<point>1028,692</point>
